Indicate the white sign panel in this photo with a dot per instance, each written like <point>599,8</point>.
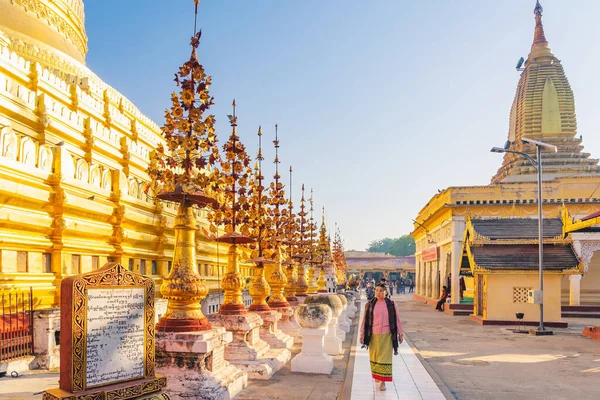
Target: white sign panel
<point>115,335</point>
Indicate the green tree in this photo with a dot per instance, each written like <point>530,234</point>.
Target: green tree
<point>402,246</point>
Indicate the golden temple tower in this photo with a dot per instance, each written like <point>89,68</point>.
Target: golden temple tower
<point>544,109</point>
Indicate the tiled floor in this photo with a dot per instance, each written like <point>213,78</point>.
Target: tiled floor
<point>411,381</point>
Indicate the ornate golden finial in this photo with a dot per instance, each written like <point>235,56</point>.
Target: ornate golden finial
<point>232,215</point>
<point>301,281</point>
<point>277,279</point>
<point>539,36</point>
<point>312,282</point>
<point>290,288</point>
<point>181,173</point>
<point>261,222</point>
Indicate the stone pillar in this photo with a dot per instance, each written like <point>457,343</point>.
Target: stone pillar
<point>46,325</point>
<point>574,290</point>
<point>333,344</point>
<point>344,322</point>
<point>247,350</point>
<point>312,359</point>
<point>270,332</point>
<point>195,365</point>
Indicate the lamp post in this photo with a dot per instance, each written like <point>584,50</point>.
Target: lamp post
<point>538,165</point>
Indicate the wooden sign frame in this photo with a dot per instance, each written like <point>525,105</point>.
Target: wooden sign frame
<point>74,307</point>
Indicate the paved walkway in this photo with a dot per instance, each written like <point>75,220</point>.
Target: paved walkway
<point>411,381</point>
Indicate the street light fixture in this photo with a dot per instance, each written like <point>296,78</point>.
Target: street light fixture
<point>538,165</point>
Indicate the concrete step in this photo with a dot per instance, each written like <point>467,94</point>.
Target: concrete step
<point>580,314</point>
<point>584,308</point>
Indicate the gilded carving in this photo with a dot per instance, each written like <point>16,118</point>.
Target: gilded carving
<point>45,12</point>
<point>587,252</point>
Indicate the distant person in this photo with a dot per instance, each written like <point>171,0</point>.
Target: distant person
<point>462,286</point>
<point>442,300</point>
<point>411,286</point>
<point>370,291</point>
<point>381,332</point>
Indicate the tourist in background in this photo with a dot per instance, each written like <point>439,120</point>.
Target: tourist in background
<point>370,291</point>
<point>442,300</point>
<point>462,286</point>
<point>381,332</point>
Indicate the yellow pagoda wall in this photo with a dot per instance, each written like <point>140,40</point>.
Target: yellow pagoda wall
<point>500,304</point>
<point>69,209</point>
<point>503,200</point>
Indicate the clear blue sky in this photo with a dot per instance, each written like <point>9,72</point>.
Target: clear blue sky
<point>379,103</point>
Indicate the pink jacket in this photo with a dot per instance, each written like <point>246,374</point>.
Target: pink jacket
<point>381,320</point>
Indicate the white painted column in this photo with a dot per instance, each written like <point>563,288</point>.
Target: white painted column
<point>457,234</point>
<point>575,290</point>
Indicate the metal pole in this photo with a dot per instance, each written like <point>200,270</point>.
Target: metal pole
<point>540,236</point>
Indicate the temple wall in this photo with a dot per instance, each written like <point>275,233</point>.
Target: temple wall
<point>501,304</point>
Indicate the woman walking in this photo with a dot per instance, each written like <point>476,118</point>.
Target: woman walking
<point>381,331</point>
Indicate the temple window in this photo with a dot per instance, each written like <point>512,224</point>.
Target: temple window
<point>75,264</point>
<point>27,152</point>
<point>143,267</point>
<point>130,266</point>
<point>9,145</point>
<point>95,262</point>
<point>47,262</point>
<point>22,261</point>
<point>45,159</point>
<point>154,272</point>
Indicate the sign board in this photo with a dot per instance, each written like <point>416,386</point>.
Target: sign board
<point>430,254</point>
<point>107,336</point>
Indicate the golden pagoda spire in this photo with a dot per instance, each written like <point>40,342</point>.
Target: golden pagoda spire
<point>232,214</point>
<point>277,279</point>
<point>182,173</point>
<point>539,48</point>
<point>290,287</point>
<point>544,109</point>
<point>312,282</point>
<point>539,37</point>
<point>260,219</point>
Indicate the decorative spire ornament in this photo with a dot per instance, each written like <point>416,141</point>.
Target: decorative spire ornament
<point>183,173</point>
<point>312,260</point>
<point>290,226</point>
<point>261,224</point>
<point>323,251</point>
<point>277,279</point>
<point>302,256</point>
<point>540,47</point>
<point>233,214</point>
<point>339,259</point>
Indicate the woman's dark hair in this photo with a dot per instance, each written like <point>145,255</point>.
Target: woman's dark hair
<point>445,288</point>
<point>383,286</point>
